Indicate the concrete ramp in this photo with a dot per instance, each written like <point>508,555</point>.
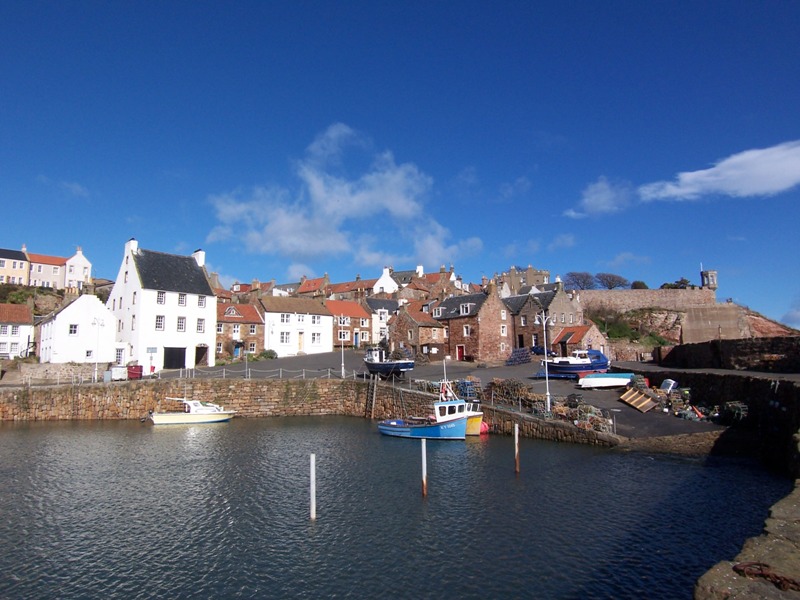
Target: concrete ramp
<point>723,321</point>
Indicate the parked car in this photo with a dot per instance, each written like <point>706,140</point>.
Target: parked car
<point>540,351</point>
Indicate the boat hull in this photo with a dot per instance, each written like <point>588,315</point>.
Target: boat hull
<point>605,380</point>
<point>455,429</point>
<point>389,368</point>
<point>181,418</point>
<point>474,424</point>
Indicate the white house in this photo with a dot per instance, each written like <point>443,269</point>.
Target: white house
<point>381,311</point>
<point>164,310</point>
<point>295,326</point>
<point>58,272</point>
<point>79,332</point>
<point>385,284</point>
<point>16,330</point>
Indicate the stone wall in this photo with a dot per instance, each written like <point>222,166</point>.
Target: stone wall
<point>770,355</point>
<point>625,300</point>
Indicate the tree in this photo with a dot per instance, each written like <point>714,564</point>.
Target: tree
<point>575,280</point>
<point>681,284</point>
<point>639,285</point>
<point>609,281</point>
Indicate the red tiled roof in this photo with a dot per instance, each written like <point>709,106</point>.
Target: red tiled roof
<point>311,285</point>
<point>349,286</point>
<point>16,314</point>
<point>44,259</point>
<point>239,313</point>
<point>574,334</point>
<point>346,308</point>
<point>414,310</point>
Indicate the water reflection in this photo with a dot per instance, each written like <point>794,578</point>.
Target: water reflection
<point>127,510</point>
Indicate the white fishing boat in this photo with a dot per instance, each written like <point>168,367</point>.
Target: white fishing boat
<point>194,411</point>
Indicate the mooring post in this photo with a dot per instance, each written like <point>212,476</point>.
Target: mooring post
<point>313,487</point>
<point>516,448</point>
<point>424,469</point>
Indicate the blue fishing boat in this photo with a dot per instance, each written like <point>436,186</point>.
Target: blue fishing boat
<point>580,361</point>
<point>378,363</point>
<point>448,422</point>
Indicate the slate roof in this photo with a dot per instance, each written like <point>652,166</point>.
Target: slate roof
<point>171,273</point>
<point>16,314</point>
<point>515,303</point>
<point>451,307</point>
<point>403,277</point>
<point>376,304</point>
<point>13,255</point>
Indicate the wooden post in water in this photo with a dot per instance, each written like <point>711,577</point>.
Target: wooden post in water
<point>516,448</point>
<point>424,469</point>
<point>313,487</point>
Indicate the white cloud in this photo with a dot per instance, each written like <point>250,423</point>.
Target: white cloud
<point>627,258</point>
<point>319,219</point>
<point>759,172</point>
<point>792,318</point>
<point>75,189</point>
<point>431,247</point>
<point>297,270</point>
<point>515,188</point>
<point>565,240</point>
<point>601,198</point>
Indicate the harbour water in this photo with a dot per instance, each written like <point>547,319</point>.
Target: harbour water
<point>128,510</point>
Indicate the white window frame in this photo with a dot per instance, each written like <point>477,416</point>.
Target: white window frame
<point>201,325</point>
<point>344,335</point>
<point>161,297</point>
<point>160,319</point>
<point>73,329</point>
<point>181,326</point>
<point>181,299</point>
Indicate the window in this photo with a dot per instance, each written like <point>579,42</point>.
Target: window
<point>252,348</point>
<point>446,332</point>
<point>503,315</point>
<point>3,329</point>
<point>503,330</point>
<point>219,347</point>
<point>563,319</point>
<point>502,346</point>
<point>120,355</point>
<point>71,269</point>
<point>133,322</point>
<point>126,277</point>
<point>285,317</point>
<point>181,299</point>
<point>383,315</point>
<point>88,354</point>
<point>410,335</point>
<point>236,329</point>
<point>316,338</point>
<point>344,335</point>
<point>161,298</point>
<point>301,318</point>
<point>364,322</point>
<point>14,265</point>
<point>571,316</point>
<point>3,347</point>
<point>437,312</point>
<point>219,327</point>
<point>523,320</point>
<point>467,330</point>
<point>39,269</point>
<point>463,309</point>
<point>535,339</point>
<point>284,337</point>
<point>14,348</point>
<point>134,299</point>
<point>15,330</point>
<point>344,321</point>
<point>201,301</point>
<point>365,336</point>
<point>201,325</point>
<point>181,323</point>
<point>73,329</point>
<point>159,322</point>
<point>2,263</point>
<point>434,333</point>
<point>114,304</point>
<point>316,320</point>
<point>252,329</point>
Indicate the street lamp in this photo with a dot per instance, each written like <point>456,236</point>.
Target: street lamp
<point>545,321</point>
<point>97,323</point>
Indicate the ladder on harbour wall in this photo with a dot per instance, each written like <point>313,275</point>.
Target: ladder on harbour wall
<point>372,394</point>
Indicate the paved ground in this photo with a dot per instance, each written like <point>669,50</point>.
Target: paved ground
<point>629,421</point>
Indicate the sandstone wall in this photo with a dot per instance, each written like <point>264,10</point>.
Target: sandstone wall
<point>771,355</point>
<point>625,300</point>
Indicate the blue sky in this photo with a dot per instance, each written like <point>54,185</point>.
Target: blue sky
<point>288,138</point>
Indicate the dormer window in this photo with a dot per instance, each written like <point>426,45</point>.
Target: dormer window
<point>437,312</point>
<point>464,309</point>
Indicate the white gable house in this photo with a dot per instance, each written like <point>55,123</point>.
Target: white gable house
<point>296,326</point>
<point>80,332</point>
<point>164,309</point>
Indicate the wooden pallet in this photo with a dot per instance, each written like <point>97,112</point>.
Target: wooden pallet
<point>639,400</point>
